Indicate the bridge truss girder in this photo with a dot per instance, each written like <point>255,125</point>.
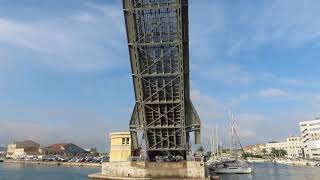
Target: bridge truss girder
<point>157,32</point>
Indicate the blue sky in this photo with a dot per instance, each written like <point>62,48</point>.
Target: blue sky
<point>65,72</point>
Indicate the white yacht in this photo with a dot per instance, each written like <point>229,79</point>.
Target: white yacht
<point>232,168</point>
<point>232,165</point>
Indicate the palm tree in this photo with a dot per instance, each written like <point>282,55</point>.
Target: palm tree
<point>274,152</point>
<point>264,151</point>
<point>282,152</point>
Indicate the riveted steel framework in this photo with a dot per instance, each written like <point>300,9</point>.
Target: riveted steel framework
<point>158,40</point>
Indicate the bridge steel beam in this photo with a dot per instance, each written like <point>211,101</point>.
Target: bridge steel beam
<point>158,42</point>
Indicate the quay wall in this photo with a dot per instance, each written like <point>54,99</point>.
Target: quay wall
<point>55,163</point>
<point>157,170</point>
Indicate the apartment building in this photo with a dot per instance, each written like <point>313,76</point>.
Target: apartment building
<point>310,134</point>
<point>293,146</point>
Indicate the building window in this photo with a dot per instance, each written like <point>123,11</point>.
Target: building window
<point>127,141</point>
<point>123,141</point>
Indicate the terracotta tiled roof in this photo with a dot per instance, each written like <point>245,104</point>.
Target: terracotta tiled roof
<point>58,145</point>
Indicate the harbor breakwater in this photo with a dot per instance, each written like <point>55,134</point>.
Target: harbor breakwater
<point>74,164</point>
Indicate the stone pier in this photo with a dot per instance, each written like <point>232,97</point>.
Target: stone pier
<point>153,170</point>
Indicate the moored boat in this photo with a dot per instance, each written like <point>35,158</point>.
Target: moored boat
<point>232,165</point>
<point>229,169</point>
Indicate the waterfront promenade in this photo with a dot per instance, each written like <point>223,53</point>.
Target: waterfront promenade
<point>71,164</point>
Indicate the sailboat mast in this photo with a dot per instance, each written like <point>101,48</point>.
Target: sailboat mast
<point>220,148</point>
<point>212,142</point>
<point>217,142</point>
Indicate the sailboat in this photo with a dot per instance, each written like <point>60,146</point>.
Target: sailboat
<point>216,155</point>
<point>233,165</point>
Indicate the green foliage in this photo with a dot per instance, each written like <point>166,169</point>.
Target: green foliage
<point>225,150</point>
<point>245,155</point>
<point>200,149</point>
<point>278,152</point>
<point>264,151</point>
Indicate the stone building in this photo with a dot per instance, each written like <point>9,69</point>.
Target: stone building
<point>63,149</point>
<point>3,151</point>
<point>120,149</point>
<point>256,149</point>
<point>19,150</point>
<point>293,146</point>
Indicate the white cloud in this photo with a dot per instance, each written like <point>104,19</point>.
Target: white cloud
<point>50,133</point>
<point>205,33</point>
<point>272,93</point>
<point>89,41</point>
<point>215,113</point>
<point>252,25</point>
<point>229,74</point>
<point>255,128</point>
<point>269,77</point>
<point>277,22</point>
<point>280,20</point>
<point>249,127</point>
<point>21,130</point>
<point>260,127</point>
<point>84,17</point>
<point>208,108</point>
<point>64,123</point>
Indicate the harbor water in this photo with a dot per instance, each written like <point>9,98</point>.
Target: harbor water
<point>263,171</point>
<point>17,171</point>
<point>271,171</point>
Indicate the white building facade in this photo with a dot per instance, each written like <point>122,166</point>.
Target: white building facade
<point>310,134</point>
<point>19,150</point>
<point>293,146</point>
<point>257,149</point>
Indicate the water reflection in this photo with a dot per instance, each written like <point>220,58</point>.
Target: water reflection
<point>17,171</point>
<point>270,171</point>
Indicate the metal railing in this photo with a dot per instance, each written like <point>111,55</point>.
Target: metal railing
<point>196,158</point>
<point>136,159</point>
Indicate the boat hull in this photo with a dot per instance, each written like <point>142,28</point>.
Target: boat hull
<point>233,170</point>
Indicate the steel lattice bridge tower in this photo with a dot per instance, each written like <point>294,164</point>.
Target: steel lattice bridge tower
<point>158,40</point>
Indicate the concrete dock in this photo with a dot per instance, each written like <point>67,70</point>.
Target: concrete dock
<point>153,170</point>
<point>93,165</point>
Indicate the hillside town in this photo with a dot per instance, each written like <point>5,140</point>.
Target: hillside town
<point>305,146</point>
<point>60,152</point>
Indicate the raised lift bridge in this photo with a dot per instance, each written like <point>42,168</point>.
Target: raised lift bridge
<point>158,40</point>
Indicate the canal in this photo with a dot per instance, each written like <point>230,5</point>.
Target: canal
<point>271,171</point>
<point>17,171</point>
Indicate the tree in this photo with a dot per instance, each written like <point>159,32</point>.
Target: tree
<point>282,153</point>
<point>225,150</point>
<point>208,153</point>
<point>245,155</point>
<point>278,152</point>
<point>273,152</point>
<point>200,149</point>
<point>264,151</point>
